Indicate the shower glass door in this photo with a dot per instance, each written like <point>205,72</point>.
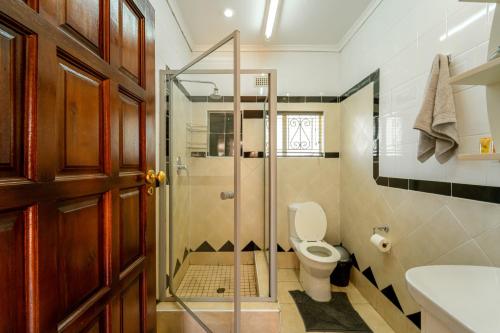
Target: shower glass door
<point>221,193</point>
<point>204,186</point>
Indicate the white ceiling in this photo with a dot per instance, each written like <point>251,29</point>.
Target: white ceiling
<point>301,24</point>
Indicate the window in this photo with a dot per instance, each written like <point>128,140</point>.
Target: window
<point>220,134</point>
<point>300,134</point>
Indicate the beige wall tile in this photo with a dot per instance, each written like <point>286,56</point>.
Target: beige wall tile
<point>364,286</point>
<point>372,318</point>
<point>425,228</point>
<point>180,274</point>
<point>468,253</point>
<point>288,275</point>
<point>394,317</point>
<point>352,292</point>
<point>476,217</point>
<point>441,234</point>
<point>207,218</point>
<point>287,260</point>
<point>489,242</point>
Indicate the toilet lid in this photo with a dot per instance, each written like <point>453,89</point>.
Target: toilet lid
<point>310,222</point>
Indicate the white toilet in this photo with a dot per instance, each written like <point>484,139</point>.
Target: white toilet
<point>307,224</point>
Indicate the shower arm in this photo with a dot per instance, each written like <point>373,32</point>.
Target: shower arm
<point>200,81</point>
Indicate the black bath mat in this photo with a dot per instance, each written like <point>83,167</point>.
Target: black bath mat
<point>338,315</point>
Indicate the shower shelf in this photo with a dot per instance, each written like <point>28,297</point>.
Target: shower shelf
<point>479,157</point>
<point>197,128</point>
<point>486,74</point>
<point>196,145</point>
<point>196,138</point>
<point>485,1</point>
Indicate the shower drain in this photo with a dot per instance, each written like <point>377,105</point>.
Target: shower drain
<point>221,290</point>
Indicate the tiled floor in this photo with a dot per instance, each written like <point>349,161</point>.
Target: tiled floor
<point>291,322</point>
<point>216,281</point>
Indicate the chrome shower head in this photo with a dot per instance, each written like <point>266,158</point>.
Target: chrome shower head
<point>216,94</point>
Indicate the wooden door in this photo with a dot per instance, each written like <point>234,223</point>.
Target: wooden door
<point>77,232</point>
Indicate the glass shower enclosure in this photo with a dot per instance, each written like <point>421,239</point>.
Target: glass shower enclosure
<point>217,225</point>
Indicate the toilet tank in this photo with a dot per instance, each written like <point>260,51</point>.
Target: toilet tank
<point>292,210</point>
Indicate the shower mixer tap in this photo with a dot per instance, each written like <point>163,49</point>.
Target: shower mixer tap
<point>227,195</point>
<point>180,166</point>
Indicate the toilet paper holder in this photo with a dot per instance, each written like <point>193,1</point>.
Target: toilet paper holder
<point>384,228</point>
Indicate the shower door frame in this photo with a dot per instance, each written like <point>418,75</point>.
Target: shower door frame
<point>164,222</point>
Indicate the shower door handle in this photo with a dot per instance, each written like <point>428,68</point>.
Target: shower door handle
<point>226,195</point>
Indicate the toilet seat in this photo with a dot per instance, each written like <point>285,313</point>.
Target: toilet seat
<point>310,221</point>
<point>330,254</point>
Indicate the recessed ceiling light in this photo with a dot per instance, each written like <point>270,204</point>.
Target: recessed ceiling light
<point>228,12</point>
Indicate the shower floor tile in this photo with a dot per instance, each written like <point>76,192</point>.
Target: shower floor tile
<point>216,281</point>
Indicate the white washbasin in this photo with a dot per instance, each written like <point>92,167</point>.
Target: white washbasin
<point>462,298</point>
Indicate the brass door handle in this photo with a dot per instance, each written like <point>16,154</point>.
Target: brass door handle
<point>161,177</point>
<point>150,177</point>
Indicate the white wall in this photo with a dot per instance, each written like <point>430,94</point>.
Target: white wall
<point>170,49</point>
<point>401,38</point>
<point>299,73</point>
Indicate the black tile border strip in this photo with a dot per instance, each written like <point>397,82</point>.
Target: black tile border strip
<point>368,273</point>
<point>251,246</point>
<point>253,114</point>
<point>260,154</point>
<point>390,294</point>
<point>399,183</point>
<point>296,99</point>
<point>332,154</point>
<point>473,192</point>
<point>388,291</point>
<point>228,246</point>
<point>430,187</point>
<point>313,99</point>
<point>262,99</point>
<point>257,99</point>
<point>416,319</point>
<point>476,192</point>
<point>248,99</point>
<point>253,154</point>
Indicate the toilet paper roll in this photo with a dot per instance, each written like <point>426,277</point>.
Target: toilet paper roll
<point>381,243</point>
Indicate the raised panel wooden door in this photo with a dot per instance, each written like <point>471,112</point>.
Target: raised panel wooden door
<point>77,232</point>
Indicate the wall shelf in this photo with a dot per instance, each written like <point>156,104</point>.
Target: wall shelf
<point>486,74</point>
<point>479,157</point>
<point>196,138</point>
<point>196,128</point>
<point>485,1</point>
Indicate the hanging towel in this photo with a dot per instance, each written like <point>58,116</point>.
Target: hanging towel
<point>437,120</point>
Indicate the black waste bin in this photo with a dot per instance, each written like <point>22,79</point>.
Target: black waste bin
<point>341,273</point>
